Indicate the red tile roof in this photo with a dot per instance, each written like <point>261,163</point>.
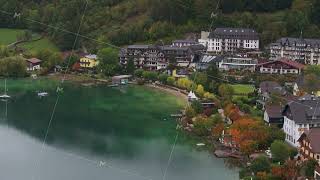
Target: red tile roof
<point>33,60</point>
<point>292,63</point>
<point>285,61</point>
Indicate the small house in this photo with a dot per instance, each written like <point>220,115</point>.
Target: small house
<point>266,89</point>
<point>299,117</point>
<point>310,144</point>
<point>33,64</point>
<point>89,61</point>
<point>121,80</point>
<point>273,115</point>
<point>280,66</point>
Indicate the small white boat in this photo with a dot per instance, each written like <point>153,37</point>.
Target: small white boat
<point>201,144</point>
<point>114,85</point>
<point>42,94</point>
<point>5,95</point>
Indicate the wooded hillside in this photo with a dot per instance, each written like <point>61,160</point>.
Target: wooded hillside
<point>122,22</point>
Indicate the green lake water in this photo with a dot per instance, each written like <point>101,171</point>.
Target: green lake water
<point>97,133</point>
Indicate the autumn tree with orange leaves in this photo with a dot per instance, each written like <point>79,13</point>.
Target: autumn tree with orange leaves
<point>278,171</point>
<point>247,134</point>
<point>232,112</point>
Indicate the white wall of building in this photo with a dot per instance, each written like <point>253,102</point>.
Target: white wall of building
<point>215,45</point>
<point>291,130</point>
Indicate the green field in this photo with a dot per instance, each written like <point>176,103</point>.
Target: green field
<point>243,89</point>
<point>8,36</point>
<point>42,44</point>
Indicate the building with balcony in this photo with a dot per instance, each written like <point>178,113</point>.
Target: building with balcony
<point>230,40</point>
<point>153,57</point>
<point>89,61</point>
<point>184,43</point>
<point>238,63</point>
<point>280,66</point>
<point>310,144</point>
<point>306,51</point>
<point>299,117</point>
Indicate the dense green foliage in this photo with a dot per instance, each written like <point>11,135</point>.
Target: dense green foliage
<point>280,151</point>
<point>122,22</point>
<point>261,164</point>
<point>309,167</point>
<point>13,67</point>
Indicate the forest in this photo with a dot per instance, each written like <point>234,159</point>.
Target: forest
<point>123,22</point>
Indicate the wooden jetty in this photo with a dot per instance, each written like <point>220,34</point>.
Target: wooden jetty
<point>177,115</point>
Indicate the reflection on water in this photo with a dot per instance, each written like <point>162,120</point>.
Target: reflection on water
<point>97,133</point>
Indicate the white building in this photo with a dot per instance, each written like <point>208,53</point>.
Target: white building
<point>33,64</point>
<point>223,40</point>
<point>184,43</point>
<point>300,116</point>
<point>238,63</point>
<point>305,51</point>
<point>280,66</point>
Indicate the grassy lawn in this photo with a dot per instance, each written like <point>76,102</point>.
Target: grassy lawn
<point>8,36</point>
<point>243,88</point>
<point>42,44</point>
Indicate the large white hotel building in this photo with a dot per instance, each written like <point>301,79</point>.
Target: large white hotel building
<point>229,40</point>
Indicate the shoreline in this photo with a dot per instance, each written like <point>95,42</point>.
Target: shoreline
<point>178,94</point>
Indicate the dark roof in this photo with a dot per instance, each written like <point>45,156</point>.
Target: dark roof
<point>313,135</point>
<point>234,33</point>
<point>34,60</point>
<point>190,41</point>
<point>303,111</point>
<point>274,111</point>
<point>197,47</point>
<point>271,87</point>
<point>308,97</point>
<point>288,41</point>
<point>139,46</point>
<point>174,48</point>
<point>285,61</point>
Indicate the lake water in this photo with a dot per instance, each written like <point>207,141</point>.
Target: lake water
<point>97,133</point>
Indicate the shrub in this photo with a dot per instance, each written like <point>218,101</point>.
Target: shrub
<point>163,78</point>
<point>203,126</point>
<point>138,73</point>
<point>280,151</point>
<point>208,96</point>
<point>190,113</point>
<point>261,164</point>
<point>197,106</point>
